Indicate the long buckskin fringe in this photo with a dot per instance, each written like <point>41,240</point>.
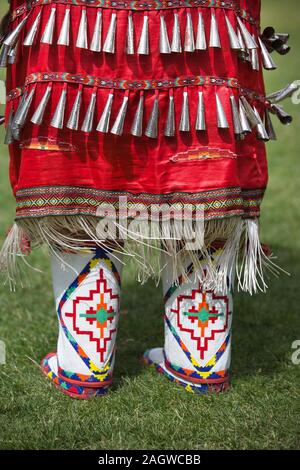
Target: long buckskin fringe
<point>241,252</point>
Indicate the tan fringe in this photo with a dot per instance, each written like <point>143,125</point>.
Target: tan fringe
<point>240,236</point>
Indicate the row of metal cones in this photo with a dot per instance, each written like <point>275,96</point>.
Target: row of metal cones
<point>244,117</point>
<point>239,36</point>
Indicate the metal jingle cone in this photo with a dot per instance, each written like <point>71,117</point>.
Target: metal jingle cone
<point>47,37</point>
<point>15,128</point>
<point>237,126</point>
<point>254,60</point>
<point>4,56</point>
<point>184,125</point>
<point>12,54</point>
<point>118,125</point>
<point>201,44</point>
<point>282,115</point>
<point>189,41</point>
<point>152,126</point>
<point>246,129</point>
<point>103,125</point>
<point>250,43</point>
<point>73,121</point>
<point>96,39</point>
<point>221,116</point>
<point>200,120</point>
<point>22,113</point>
<point>214,40</point>
<point>87,125</point>
<point>269,126</point>
<point>12,37</point>
<point>143,47</point>
<point>268,61</point>
<point>130,35</point>
<point>260,129</point>
<point>164,44</point>
<point>176,37</point>
<point>251,115</point>
<point>82,42</point>
<point>286,92</point>
<point>137,125</point>
<point>233,37</point>
<point>29,39</point>
<point>64,35</point>
<point>109,43</point>
<point>58,117</point>
<point>9,139</point>
<point>38,115</point>
<point>170,122</point>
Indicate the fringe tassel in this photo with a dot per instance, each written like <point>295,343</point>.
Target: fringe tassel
<point>143,246</point>
<point>47,37</point>
<point>11,251</point>
<point>64,35</point>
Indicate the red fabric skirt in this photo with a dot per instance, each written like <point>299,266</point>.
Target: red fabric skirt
<point>56,170</point>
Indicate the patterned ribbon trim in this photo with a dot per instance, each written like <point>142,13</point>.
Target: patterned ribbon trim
<point>95,371</point>
<point>201,371</point>
<point>140,5</point>
<point>134,85</point>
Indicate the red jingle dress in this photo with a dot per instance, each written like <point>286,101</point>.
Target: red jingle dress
<point>159,101</point>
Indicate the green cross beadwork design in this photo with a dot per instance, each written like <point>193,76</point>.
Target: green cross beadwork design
<point>203,314</point>
<point>101,315</point>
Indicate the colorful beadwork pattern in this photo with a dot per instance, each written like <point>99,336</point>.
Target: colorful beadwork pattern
<point>40,202</point>
<point>103,316</point>
<point>134,85</point>
<point>197,329</point>
<point>70,389</point>
<point>139,5</point>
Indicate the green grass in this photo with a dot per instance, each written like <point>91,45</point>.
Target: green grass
<point>144,410</point>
